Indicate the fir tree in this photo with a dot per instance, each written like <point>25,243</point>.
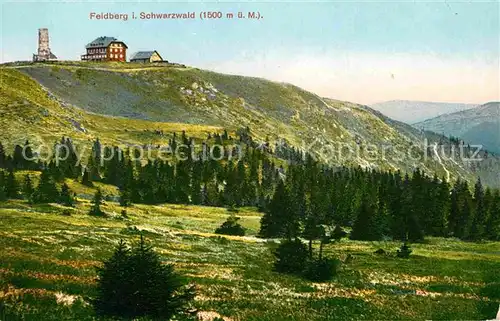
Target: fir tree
<point>46,191</point>
<point>86,178</point>
<point>95,210</point>
<point>313,230</point>
<point>11,185</point>
<point>28,188</point>
<point>454,216</point>
<point>3,157</point>
<point>493,223</point>
<point>366,226</point>
<point>125,196</point>
<point>136,284</point>
<point>480,213</point>
<point>291,257</point>
<point>3,194</point>
<point>274,222</point>
<point>111,282</point>
<point>66,198</point>
<point>196,179</point>
<point>415,230</point>
<point>182,180</point>
<point>18,160</point>
<point>438,224</point>
<point>94,161</point>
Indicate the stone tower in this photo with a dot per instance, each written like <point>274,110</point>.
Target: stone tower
<point>43,43</point>
<point>44,53</point>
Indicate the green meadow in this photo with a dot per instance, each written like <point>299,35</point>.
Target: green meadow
<point>48,255</point>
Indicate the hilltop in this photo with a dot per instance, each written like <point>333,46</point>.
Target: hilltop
<point>480,125</point>
<point>126,103</point>
<point>411,112</point>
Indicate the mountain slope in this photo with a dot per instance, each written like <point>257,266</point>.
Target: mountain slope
<point>412,112</point>
<point>124,104</point>
<point>480,125</point>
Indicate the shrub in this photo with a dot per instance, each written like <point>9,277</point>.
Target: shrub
<point>321,270</point>
<point>135,284</point>
<point>404,251</point>
<point>220,240</point>
<point>231,227</point>
<point>338,233</point>
<point>291,257</point>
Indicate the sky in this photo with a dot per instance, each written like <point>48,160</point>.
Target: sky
<point>359,51</point>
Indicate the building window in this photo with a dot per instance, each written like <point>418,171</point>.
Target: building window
<point>121,56</point>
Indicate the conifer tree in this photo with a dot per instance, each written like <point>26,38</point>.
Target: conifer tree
<point>413,230</point>
<point>114,166</point>
<point>86,178</point>
<point>28,188</point>
<point>3,157</point>
<point>493,223</point>
<point>480,213</point>
<point>112,286</point>
<point>274,222</point>
<point>455,210</point>
<point>365,227</point>
<point>313,230</point>
<point>66,198</point>
<point>3,194</point>
<point>55,171</point>
<point>46,191</point>
<point>182,180</point>
<point>29,157</point>
<point>136,285</point>
<point>196,178</point>
<point>466,212</point>
<point>232,189</point>
<point>18,160</point>
<point>95,209</point>
<point>291,257</point>
<point>69,164</point>
<point>125,196</point>
<point>441,208</point>
<point>94,162</point>
<point>11,185</point>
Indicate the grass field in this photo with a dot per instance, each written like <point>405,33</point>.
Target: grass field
<point>47,268</point>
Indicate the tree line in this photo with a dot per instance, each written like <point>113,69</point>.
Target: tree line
<point>299,196</point>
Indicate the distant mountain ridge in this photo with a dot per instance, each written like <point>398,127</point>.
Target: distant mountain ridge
<point>411,112</point>
<point>480,125</point>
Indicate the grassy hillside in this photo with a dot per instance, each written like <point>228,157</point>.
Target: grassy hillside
<point>49,252</point>
<point>47,268</point>
<point>29,111</point>
<point>124,103</point>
